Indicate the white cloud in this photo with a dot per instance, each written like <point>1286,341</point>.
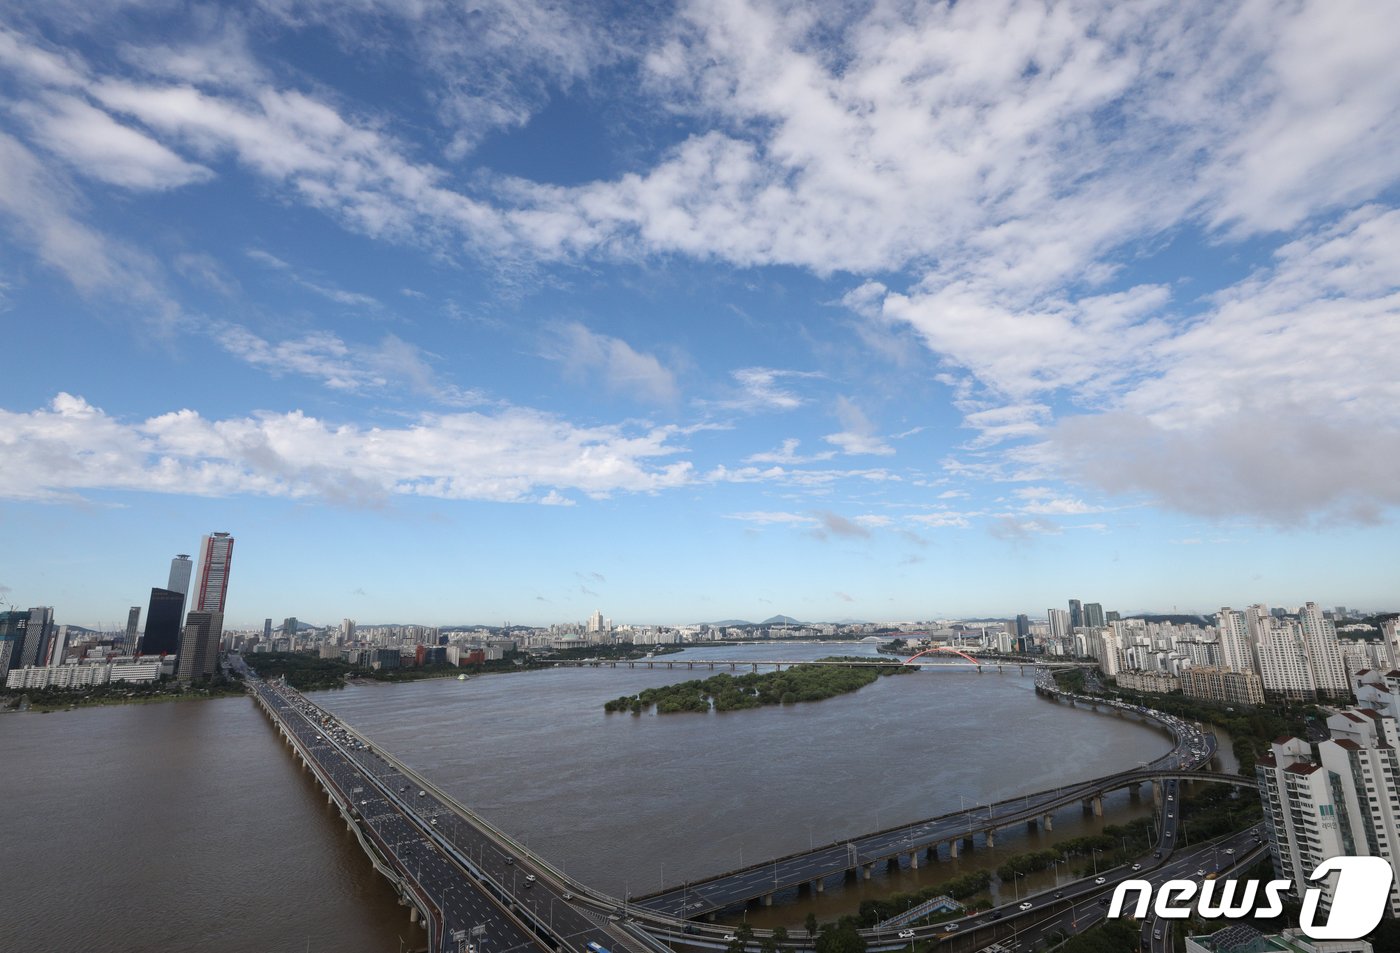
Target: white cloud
<point>1280,403</point>
<point>773,518</point>
<point>587,355</point>
<point>342,366</point>
<point>760,389</point>
<point>352,299</point>
<point>859,436</point>
<point>100,147</point>
<point>516,455</point>
<point>787,455</point>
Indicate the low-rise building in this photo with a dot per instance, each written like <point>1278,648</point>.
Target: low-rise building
<point>1218,685</point>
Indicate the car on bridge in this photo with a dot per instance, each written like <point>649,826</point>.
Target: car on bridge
<point>906,934</point>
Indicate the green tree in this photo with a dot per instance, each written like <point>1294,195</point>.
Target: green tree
<point>840,938</point>
<point>811,924</point>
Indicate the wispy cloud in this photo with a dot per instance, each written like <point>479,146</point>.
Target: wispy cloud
<point>611,362</point>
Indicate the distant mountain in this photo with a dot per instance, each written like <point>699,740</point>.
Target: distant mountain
<point>780,620</point>
<point>726,623</point>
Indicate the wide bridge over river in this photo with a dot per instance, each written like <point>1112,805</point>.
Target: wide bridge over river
<point>940,657</point>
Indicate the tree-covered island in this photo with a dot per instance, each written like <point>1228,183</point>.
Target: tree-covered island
<point>800,683</point>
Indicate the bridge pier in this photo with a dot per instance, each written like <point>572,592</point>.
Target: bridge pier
<point>768,900</point>
<point>412,913</point>
<point>1096,802</point>
<point>1049,822</point>
<point>914,860</point>
<point>865,871</point>
<point>991,838</point>
<point>819,885</point>
<point>953,849</point>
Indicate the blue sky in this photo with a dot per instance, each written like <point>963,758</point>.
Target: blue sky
<point>699,311</point>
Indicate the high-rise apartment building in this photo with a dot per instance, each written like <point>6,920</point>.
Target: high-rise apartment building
<point>163,615</point>
<point>290,626</point>
<point>133,624</point>
<point>1059,623</point>
<point>1076,614</point>
<point>1283,661</point>
<point>211,584</point>
<point>199,645</point>
<point>267,630</point>
<point>1300,811</point>
<point>1324,653</point>
<point>1345,799</point>
<point>1236,650</point>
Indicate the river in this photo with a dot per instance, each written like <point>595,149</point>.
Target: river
<point>187,826</point>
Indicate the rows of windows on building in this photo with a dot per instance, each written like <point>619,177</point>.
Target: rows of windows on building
<point>179,639</point>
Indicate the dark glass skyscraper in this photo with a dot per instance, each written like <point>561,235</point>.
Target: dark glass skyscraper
<point>13,625</point>
<point>1076,614</point>
<point>163,623</point>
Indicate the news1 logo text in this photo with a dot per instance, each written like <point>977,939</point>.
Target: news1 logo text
<point>1359,898</point>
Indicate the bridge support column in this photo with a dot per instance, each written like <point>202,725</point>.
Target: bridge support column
<point>1049,822</point>
<point>819,885</point>
<point>1097,803</point>
<point>412,913</point>
<point>953,849</point>
<point>991,838</point>
<point>768,900</point>
<point>865,871</point>
<point>914,860</point>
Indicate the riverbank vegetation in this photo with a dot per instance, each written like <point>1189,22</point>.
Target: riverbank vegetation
<point>725,692</point>
<point>310,672</point>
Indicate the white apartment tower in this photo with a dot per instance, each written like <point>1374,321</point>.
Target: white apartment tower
<point>1300,812</point>
<point>1362,760</point>
<point>1283,662</point>
<point>1236,651</point>
<point>1324,653</point>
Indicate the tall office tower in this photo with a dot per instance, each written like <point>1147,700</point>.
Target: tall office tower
<point>36,637</point>
<point>1076,614</point>
<point>347,630</point>
<point>290,626</point>
<point>1059,623</point>
<point>1301,812</point>
<point>180,569</point>
<point>163,622</point>
<point>1324,653</point>
<point>1112,615</point>
<point>55,648</point>
<point>267,630</point>
<point>133,621</point>
<point>211,585</point>
<point>1093,615</point>
<point>13,625</point>
<point>199,645</point>
<point>1236,653</point>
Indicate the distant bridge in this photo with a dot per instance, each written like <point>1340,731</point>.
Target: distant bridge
<point>962,660</point>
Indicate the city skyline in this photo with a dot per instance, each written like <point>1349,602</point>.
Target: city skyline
<point>702,312</point>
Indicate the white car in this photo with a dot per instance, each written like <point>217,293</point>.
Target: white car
<point>906,934</point>
<point>1101,881</point>
<point>1027,905</point>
